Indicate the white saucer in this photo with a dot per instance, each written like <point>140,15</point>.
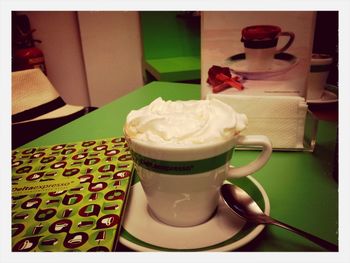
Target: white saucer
<point>225,231</point>
<point>282,63</point>
<point>327,97</point>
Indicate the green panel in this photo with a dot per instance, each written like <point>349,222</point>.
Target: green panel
<point>166,35</point>
<point>174,69</point>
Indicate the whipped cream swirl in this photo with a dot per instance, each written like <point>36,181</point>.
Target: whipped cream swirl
<point>184,122</point>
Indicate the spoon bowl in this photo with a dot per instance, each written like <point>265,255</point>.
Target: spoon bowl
<point>244,206</point>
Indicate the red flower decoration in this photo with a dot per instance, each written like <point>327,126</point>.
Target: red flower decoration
<point>220,79</point>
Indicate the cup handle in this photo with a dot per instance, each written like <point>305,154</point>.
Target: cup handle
<point>259,162</point>
<point>289,43</point>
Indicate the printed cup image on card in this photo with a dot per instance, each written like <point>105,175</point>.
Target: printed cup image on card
<point>258,62</point>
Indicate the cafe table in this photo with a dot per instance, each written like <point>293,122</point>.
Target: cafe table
<point>302,186</point>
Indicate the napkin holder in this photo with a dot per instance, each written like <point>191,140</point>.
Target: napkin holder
<point>284,119</point>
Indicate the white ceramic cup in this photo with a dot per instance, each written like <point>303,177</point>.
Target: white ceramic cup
<point>182,183</point>
<point>319,70</point>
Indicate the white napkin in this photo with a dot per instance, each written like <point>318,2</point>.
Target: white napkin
<point>281,118</point>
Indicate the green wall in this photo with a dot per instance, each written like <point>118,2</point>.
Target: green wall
<point>169,34</point>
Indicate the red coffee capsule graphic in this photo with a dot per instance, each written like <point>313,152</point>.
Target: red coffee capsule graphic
<point>78,188</point>
<point>93,197</point>
<point>57,193</point>
<point>68,151</point>
<point>67,212</point>
<point>71,172</point>
<point>107,168</point>
<point>95,187</point>
<point>75,240</point>
<point>115,195</point>
<point>60,226</point>
<point>90,210</point>
<point>80,156</point>
<point>92,161</point>
<point>107,221</point>
<point>29,151</point>
<point>59,165</point>
<point>86,224</point>
<point>123,166</point>
<point>18,197</point>
<point>17,229</point>
<point>101,147</point>
<point>24,169</point>
<point>53,202</point>
<point>49,241</point>
<point>111,207</point>
<point>98,249</point>
<point>125,157</point>
<point>86,178</point>
<point>37,229</point>
<point>31,203</point>
<point>112,152</point>
<point>26,244</point>
<point>45,214</point>
<point>101,236</point>
<point>121,174</point>
<point>37,155</point>
<point>35,176</point>
<point>118,140</point>
<point>88,143</point>
<point>58,147</point>
<point>21,216</point>
<point>104,176</point>
<point>48,159</point>
<point>72,199</point>
<point>16,163</point>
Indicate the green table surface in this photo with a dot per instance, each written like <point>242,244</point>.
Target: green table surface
<point>300,185</point>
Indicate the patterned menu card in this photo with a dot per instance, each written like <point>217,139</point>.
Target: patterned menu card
<point>70,197</point>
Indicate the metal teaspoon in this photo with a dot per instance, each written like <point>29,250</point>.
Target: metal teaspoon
<point>244,206</point>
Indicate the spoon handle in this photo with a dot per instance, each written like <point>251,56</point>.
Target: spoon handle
<point>321,242</point>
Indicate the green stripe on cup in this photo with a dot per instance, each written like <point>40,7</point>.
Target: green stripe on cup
<point>182,167</point>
